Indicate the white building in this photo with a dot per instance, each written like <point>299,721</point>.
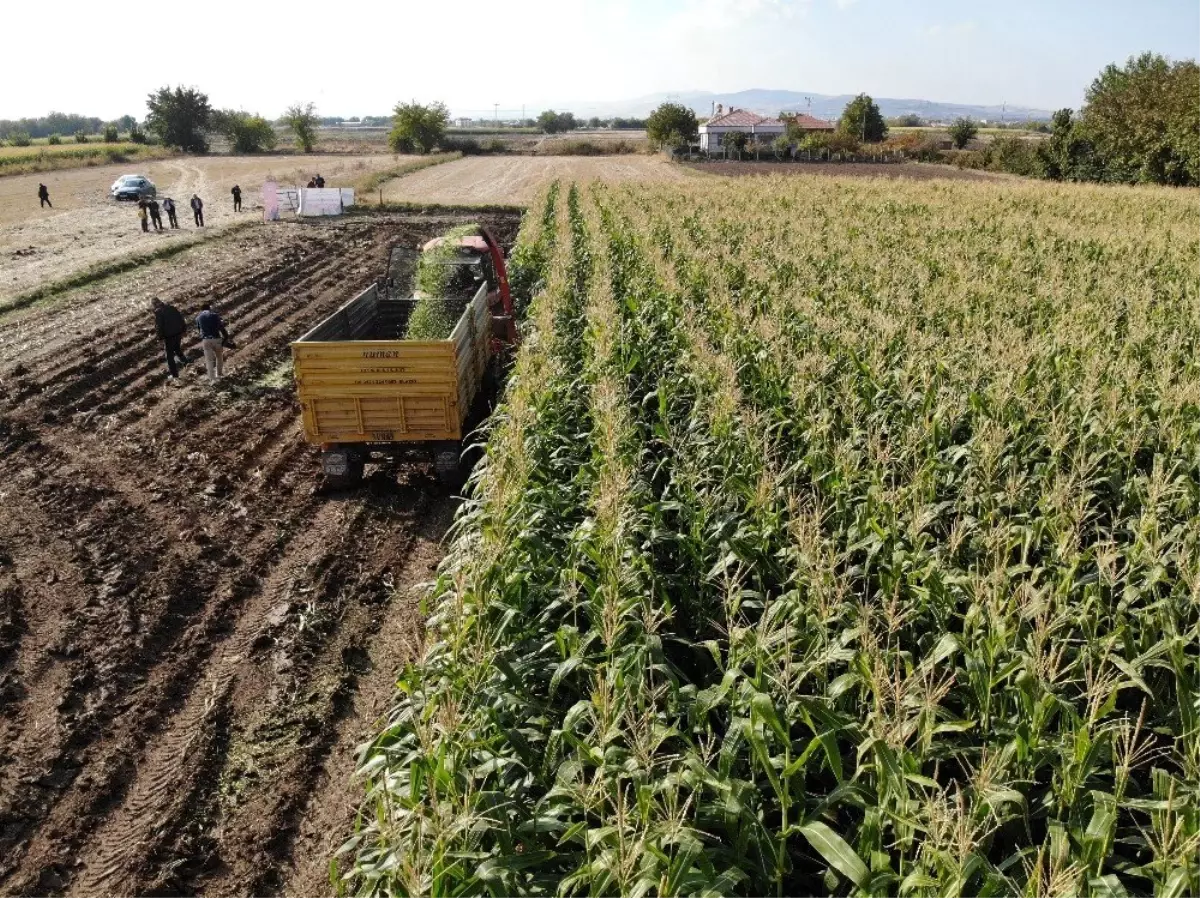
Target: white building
<point>757,128</point>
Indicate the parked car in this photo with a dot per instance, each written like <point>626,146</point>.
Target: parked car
<point>133,187</point>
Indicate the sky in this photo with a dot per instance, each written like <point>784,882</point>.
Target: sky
<point>360,58</point>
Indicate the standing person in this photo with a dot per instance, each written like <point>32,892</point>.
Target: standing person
<point>320,181</point>
<point>312,182</point>
<point>44,196</point>
<point>237,198</point>
<point>155,215</point>
<point>212,337</point>
<point>169,208</point>
<point>170,327</point>
<point>144,215</point>
<point>197,205</point>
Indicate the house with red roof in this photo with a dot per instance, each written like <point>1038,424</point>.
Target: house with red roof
<point>757,128</point>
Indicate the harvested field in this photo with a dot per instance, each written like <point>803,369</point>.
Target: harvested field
<point>86,228</point>
<point>517,179</point>
<point>917,171</point>
<point>193,635</point>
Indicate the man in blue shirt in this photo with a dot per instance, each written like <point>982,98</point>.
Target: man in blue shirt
<point>212,337</point>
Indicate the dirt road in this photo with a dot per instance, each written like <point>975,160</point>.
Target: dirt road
<point>193,635</point>
<point>517,179</point>
<point>85,227</point>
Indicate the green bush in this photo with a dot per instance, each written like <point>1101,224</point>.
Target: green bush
<point>20,139</point>
<point>1015,156</point>
<point>588,148</point>
<point>111,135</point>
<point>81,137</point>
<point>468,146</point>
<point>53,140</point>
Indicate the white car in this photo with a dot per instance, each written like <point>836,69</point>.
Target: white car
<point>132,187</point>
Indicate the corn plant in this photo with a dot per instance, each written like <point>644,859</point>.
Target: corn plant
<point>833,537</point>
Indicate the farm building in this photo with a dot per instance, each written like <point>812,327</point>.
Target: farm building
<point>757,128</point>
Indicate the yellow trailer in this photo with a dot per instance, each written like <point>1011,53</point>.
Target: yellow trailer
<point>363,389</point>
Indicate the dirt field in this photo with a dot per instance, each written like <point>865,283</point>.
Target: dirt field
<point>85,227</point>
<point>919,171</point>
<point>193,635</point>
<point>517,179</point>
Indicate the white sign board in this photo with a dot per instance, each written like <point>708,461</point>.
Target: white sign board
<point>316,201</point>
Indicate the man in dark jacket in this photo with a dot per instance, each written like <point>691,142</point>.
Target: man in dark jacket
<point>155,215</point>
<point>170,327</point>
<point>44,196</point>
<point>320,182</point>
<point>237,198</point>
<point>212,337</point>
<point>169,207</point>
<point>198,210</point>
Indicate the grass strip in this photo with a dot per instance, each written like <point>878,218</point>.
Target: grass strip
<point>369,184</point>
<point>54,159</point>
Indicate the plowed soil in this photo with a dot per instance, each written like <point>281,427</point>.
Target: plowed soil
<point>194,633</point>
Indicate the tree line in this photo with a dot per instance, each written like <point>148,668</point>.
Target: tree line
<point>1140,123</point>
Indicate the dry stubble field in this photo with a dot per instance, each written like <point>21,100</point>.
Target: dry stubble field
<point>85,227</point>
<point>517,179</point>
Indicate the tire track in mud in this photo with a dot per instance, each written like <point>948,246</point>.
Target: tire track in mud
<point>155,534</point>
<point>163,785</point>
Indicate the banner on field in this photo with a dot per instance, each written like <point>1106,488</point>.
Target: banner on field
<point>315,201</point>
<point>270,201</point>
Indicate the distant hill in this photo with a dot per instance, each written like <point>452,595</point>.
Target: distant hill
<point>771,102</point>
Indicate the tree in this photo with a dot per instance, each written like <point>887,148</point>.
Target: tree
<point>179,118</point>
<point>245,132</point>
<point>594,122</point>
<point>911,120</point>
<point>672,118</point>
<point>1067,155</point>
<point>781,146</point>
<point>552,122</point>
<point>111,134</point>
<point>1144,122</point>
<point>734,141</point>
<point>417,128</point>
<point>81,136</point>
<point>136,134</point>
<point>125,123</point>
<point>861,118</point>
<point>963,131</point>
<point>301,118</point>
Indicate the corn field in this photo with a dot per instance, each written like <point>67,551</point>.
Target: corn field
<point>834,537</point>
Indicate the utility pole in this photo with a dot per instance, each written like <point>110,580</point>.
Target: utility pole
<point>496,113</point>
<point>808,104</point>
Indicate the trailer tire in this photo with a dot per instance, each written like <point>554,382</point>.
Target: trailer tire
<point>343,468</point>
<point>447,464</point>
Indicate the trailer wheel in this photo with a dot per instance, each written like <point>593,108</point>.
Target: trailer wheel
<point>343,468</point>
<point>448,465</point>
